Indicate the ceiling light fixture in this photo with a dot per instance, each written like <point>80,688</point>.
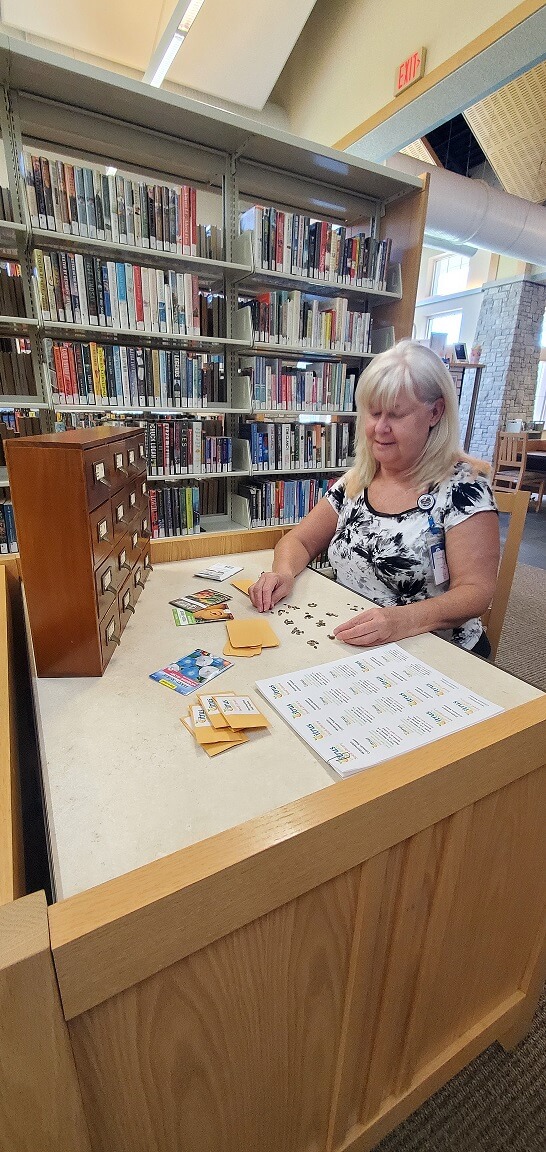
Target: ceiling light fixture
<point>184,14</point>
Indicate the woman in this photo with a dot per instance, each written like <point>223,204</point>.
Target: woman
<point>412,525</point>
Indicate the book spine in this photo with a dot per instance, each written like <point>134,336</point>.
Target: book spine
<point>99,204</point>
<point>90,208</point>
<point>81,201</point>
<point>90,290</point>
<point>72,199</point>
<point>39,191</point>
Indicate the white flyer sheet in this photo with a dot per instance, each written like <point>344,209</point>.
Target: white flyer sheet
<point>361,710</point>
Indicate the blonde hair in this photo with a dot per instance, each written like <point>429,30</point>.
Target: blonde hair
<point>416,371</point>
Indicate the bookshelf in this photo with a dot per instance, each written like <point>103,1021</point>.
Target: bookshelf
<point>82,116</point>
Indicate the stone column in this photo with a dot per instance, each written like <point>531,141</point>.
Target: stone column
<point>508,329</point>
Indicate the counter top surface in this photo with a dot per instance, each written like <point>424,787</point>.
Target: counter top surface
<point>125,782</point>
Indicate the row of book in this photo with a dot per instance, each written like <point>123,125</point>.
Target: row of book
<point>174,510</point>
<point>6,206</point>
<point>293,318</point>
<point>16,371</point>
<point>296,446</point>
<point>316,387</point>
<point>90,373</point>
<point>8,535</point>
<point>18,425</point>
<point>82,201</point>
<point>12,300</point>
<point>87,290</point>
<point>302,246</point>
<point>175,447</point>
<point>273,502</point>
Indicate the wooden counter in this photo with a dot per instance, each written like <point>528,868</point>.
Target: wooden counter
<point>126,782</point>
<point>300,981</point>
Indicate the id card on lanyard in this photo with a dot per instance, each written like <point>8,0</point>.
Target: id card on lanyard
<point>435,541</point>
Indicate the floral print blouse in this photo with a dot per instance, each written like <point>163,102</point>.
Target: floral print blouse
<point>386,557</point>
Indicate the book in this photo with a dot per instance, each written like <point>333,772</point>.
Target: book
<point>191,672</point>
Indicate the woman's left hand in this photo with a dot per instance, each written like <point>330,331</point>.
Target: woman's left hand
<point>375,626</point>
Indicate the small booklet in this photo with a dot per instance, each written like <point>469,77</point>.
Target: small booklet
<point>191,671</point>
<point>218,572</point>
<point>205,598</point>
<point>217,613</point>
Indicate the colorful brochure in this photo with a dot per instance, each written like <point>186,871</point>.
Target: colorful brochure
<point>191,671</point>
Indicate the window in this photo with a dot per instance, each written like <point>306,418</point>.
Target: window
<point>448,322</point>
<point>450,274</point>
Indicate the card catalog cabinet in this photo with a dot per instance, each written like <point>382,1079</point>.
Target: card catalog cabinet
<point>81,509</point>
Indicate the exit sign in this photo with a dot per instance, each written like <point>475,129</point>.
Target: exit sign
<point>410,70</point>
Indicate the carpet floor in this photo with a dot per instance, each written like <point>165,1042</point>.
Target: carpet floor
<point>498,1102</point>
<point>522,648</point>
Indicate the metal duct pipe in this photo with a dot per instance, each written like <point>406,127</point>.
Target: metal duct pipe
<point>467,211</point>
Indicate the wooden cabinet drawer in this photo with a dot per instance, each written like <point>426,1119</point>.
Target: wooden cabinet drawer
<point>142,493</point>
<point>120,473</point>
<point>138,578</point>
<point>126,601</point>
<point>136,455</point>
<point>146,562</point>
<point>121,513</point>
<point>133,501</point>
<point>107,582</point>
<point>98,464</point>
<point>126,555</point>
<point>102,532</point>
<point>110,633</point>
<point>143,528</point>
<point>134,545</point>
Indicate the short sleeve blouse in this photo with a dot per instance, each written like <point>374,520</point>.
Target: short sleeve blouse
<point>386,557</point>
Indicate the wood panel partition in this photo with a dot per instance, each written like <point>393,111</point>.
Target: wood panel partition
<point>306,980</point>
<point>300,983</point>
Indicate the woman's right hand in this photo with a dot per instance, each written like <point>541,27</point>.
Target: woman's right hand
<point>269,589</point>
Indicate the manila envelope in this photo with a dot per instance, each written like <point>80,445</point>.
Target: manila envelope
<point>215,749</point>
<point>251,633</point>
<point>229,651</point>
<point>209,705</point>
<point>203,730</point>
<point>241,711</point>
<point>243,583</point>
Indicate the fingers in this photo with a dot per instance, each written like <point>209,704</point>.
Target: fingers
<point>261,592</point>
<point>362,630</point>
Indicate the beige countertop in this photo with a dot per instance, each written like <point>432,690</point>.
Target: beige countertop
<point>125,782</point>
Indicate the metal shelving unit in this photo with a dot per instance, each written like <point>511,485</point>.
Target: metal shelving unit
<point>55,104</point>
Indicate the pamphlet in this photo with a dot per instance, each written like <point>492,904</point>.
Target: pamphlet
<point>205,598</point>
<point>218,572</point>
<point>191,672</point>
<point>218,613</point>
<point>361,710</point>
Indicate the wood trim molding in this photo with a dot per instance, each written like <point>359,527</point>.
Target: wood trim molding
<point>508,22</point>
<point>40,1101</point>
<point>12,871</point>
<point>214,544</point>
<point>107,939</point>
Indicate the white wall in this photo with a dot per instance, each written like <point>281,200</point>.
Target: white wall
<point>342,69</point>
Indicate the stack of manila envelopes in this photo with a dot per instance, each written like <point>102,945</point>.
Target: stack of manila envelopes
<point>221,721</point>
<point>248,637</point>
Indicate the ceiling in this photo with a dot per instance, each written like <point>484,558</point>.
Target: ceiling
<point>236,60</point>
<point>506,130</point>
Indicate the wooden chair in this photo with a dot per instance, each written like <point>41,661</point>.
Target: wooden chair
<point>516,504</point>
<point>510,472</point>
